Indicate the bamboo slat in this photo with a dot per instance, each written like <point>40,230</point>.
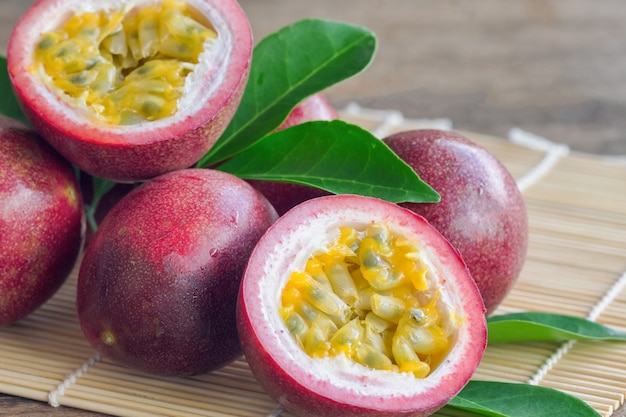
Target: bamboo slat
<point>576,265</point>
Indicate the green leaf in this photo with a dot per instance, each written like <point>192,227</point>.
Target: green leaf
<point>501,399</point>
<point>336,156</point>
<point>527,326</point>
<point>8,105</point>
<point>288,66</point>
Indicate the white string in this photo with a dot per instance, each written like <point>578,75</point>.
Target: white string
<point>593,315</point>
<point>550,362</point>
<point>392,120</point>
<point>553,152</point>
<point>608,298</point>
<point>71,379</point>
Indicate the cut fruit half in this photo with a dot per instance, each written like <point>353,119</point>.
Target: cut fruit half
<point>130,90</point>
<point>354,306</point>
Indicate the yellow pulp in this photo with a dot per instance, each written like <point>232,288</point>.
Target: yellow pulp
<point>368,297</point>
<point>127,66</point>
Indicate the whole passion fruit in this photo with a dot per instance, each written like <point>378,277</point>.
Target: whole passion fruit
<point>283,195</point>
<point>158,283</point>
<point>41,221</point>
<point>354,306</point>
<point>481,212</point>
<point>130,90</point>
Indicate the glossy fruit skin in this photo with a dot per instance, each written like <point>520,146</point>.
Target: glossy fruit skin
<point>41,221</point>
<point>314,107</point>
<point>481,212</point>
<point>158,283</point>
<point>138,152</point>
<point>284,196</point>
<point>288,375</point>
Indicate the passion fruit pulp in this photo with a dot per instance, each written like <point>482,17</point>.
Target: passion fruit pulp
<point>354,306</point>
<point>41,221</point>
<point>127,91</point>
<point>158,282</point>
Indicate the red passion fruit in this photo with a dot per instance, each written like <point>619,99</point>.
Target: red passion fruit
<point>481,212</point>
<point>354,306</point>
<point>158,283</point>
<point>41,221</point>
<point>130,90</point>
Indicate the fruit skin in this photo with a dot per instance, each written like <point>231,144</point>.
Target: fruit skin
<point>158,284</point>
<point>293,379</point>
<point>138,152</point>
<point>41,221</point>
<point>314,107</point>
<point>481,212</point>
<point>282,195</point>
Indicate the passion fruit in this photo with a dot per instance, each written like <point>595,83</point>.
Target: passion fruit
<point>41,221</point>
<point>283,195</point>
<point>130,90</point>
<point>158,283</point>
<point>354,306</point>
<point>481,212</point>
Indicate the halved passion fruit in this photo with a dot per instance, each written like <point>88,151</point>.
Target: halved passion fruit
<point>130,90</point>
<point>354,306</point>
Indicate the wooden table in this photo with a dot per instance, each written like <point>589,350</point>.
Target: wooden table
<point>556,68</point>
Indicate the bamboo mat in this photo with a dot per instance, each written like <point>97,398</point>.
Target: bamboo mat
<point>576,265</point>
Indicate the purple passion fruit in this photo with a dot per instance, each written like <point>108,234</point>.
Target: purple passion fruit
<point>353,306</point>
<point>481,212</point>
<point>158,284</point>
<point>41,221</point>
<point>130,90</point>
<point>282,195</point>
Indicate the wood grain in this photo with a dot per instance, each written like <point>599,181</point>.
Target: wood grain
<point>552,67</point>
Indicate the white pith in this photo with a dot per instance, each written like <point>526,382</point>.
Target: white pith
<point>339,378</point>
<point>200,85</point>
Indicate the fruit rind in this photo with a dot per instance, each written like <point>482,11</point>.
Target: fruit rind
<point>333,386</point>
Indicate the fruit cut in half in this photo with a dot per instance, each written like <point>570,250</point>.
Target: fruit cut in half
<point>354,306</point>
<point>130,90</point>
